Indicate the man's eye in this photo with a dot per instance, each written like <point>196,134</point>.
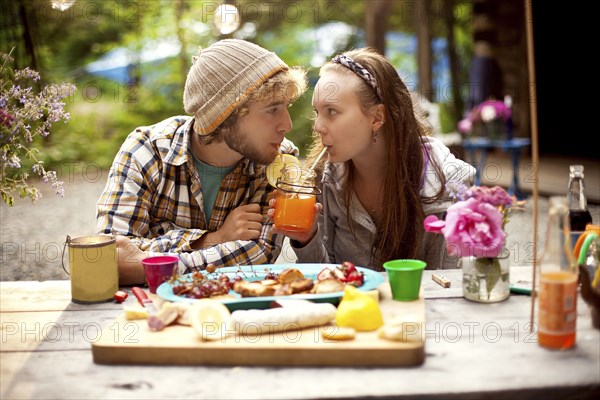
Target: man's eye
<point>331,111</point>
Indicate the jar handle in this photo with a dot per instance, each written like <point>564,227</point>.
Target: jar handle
<point>62,258</point>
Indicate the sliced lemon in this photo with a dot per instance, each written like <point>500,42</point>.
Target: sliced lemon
<point>358,310</point>
<point>211,319</point>
<point>275,169</point>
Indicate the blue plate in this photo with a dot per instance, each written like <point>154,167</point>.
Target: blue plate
<point>257,272</point>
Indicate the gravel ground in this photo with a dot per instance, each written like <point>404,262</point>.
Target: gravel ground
<point>33,236</point>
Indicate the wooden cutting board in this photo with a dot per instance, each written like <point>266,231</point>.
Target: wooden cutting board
<point>131,342</point>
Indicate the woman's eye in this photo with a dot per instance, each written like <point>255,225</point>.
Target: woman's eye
<point>331,111</point>
<point>272,110</point>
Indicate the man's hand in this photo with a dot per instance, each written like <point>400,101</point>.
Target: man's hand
<point>243,223</point>
<point>301,237</point>
<point>129,256</point>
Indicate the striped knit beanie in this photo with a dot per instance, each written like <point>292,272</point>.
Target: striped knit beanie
<point>222,77</point>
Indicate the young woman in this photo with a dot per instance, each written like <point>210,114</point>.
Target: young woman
<point>383,174</point>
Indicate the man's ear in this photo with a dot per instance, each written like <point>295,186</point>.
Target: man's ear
<point>378,116</point>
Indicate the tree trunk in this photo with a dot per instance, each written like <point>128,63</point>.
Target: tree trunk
<point>28,36</point>
<point>449,22</point>
<point>376,23</point>
<point>422,27</point>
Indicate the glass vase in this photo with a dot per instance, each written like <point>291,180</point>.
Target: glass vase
<point>486,279</point>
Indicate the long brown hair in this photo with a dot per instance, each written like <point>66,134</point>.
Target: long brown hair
<point>400,228</point>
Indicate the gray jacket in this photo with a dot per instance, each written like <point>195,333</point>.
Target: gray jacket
<point>336,243</point>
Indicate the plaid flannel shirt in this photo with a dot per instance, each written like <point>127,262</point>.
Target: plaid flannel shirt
<point>154,196</point>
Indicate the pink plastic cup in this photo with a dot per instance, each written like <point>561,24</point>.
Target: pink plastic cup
<point>158,270</point>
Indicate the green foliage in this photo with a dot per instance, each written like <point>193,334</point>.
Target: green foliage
<point>463,37</point>
<point>301,114</point>
<point>447,117</point>
<point>104,112</point>
<point>297,52</point>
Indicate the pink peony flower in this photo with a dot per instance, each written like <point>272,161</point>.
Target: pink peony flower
<point>494,114</point>
<point>496,195</point>
<point>474,228</point>
<point>474,224</point>
<point>465,125</point>
<point>433,224</point>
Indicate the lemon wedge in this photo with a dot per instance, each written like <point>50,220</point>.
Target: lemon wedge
<point>358,310</point>
<point>210,318</point>
<point>280,162</point>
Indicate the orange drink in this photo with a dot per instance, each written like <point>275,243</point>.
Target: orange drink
<point>296,198</point>
<point>559,275</point>
<point>294,211</point>
<point>557,309</point>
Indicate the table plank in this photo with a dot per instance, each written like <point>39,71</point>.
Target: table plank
<point>18,296</point>
<point>55,330</point>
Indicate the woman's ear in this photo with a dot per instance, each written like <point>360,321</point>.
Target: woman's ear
<point>378,114</point>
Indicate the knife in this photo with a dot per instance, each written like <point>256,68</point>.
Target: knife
<point>157,321</point>
<point>144,300</point>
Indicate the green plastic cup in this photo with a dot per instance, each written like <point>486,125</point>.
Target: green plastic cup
<point>405,278</point>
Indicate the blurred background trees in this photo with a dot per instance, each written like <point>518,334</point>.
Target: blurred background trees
<point>129,58</point>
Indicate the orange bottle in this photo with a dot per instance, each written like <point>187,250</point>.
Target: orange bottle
<point>557,302</point>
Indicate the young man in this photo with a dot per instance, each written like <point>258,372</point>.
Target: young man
<point>196,186</point>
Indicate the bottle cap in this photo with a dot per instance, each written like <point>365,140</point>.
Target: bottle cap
<point>576,169</point>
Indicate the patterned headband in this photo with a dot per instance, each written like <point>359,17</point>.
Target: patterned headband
<point>358,70</point>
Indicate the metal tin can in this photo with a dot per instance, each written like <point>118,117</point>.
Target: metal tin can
<point>93,268</point>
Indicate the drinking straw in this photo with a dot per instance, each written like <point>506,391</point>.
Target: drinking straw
<point>321,154</point>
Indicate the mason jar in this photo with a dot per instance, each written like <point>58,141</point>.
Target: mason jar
<point>296,197</point>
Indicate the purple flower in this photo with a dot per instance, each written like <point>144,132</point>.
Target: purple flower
<point>27,110</point>
<point>457,190</point>
<point>14,161</point>
<point>6,119</point>
<point>490,110</point>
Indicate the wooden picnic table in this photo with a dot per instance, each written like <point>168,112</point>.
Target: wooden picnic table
<point>473,350</point>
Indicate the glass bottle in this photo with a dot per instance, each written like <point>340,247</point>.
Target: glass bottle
<point>557,302</point>
<point>579,214</point>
